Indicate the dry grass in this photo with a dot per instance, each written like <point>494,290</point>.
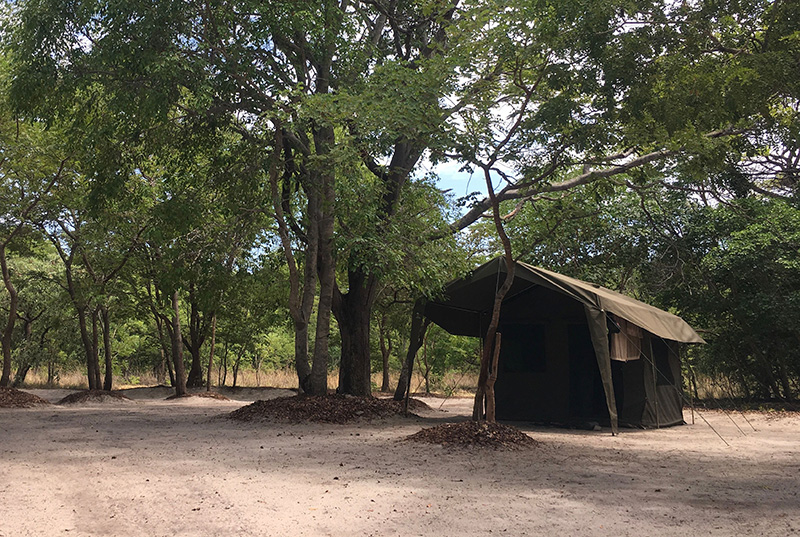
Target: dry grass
<point>713,389</point>
<point>71,380</point>
<point>453,383</point>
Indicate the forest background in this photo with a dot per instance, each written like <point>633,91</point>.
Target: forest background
<point>191,190</point>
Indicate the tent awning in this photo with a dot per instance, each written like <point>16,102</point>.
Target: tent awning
<point>467,299</point>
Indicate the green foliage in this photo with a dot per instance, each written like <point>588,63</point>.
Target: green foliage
<point>748,296</point>
<point>730,269</point>
<point>173,113</point>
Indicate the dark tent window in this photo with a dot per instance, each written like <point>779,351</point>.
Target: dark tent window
<point>522,349</point>
<point>661,358</point>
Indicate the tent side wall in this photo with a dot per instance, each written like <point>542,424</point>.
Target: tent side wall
<point>663,384</point>
<point>533,377</point>
<point>548,366</point>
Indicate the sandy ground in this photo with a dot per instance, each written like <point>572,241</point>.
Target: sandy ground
<point>153,467</point>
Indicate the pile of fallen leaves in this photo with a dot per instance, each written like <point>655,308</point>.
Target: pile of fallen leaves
<point>474,433</point>
<point>13,398</point>
<point>207,395</point>
<point>323,409</point>
<point>92,396</point>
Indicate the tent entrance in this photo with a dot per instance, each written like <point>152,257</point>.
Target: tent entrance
<point>587,400</point>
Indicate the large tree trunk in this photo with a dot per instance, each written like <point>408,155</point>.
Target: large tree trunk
<point>177,346</point>
<point>8,330</point>
<point>353,311</point>
<point>324,139</point>
<point>87,347</point>
<point>195,377</point>
<point>98,382</point>
<point>109,378</point>
<point>386,350</point>
<point>197,337</point>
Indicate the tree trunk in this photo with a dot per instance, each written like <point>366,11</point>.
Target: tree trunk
<point>166,355</point>
<point>301,299</point>
<point>490,382</point>
<point>236,364</point>
<point>211,351</point>
<point>196,338</point>
<point>353,314</point>
<point>426,374</point>
<point>170,370</point>
<point>19,376</point>
<point>386,350</point>
<point>98,379</point>
<point>223,373</point>
<point>160,369</point>
<point>51,372</point>
<point>318,382</point>
<point>195,377</point>
<point>27,361</point>
<point>491,342</point>
<point>324,140</point>
<point>87,347</point>
<point>106,324</point>
<point>8,330</point>
<point>419,327</point>
<point>177,346</point>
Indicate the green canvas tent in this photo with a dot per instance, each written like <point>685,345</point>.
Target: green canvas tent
<point>572,350</point>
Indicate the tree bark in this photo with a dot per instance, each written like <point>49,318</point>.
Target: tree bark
<point>211,351</point>
<point>419,326</point>
<point>106,324</point>
<point>301,298</point>
<point>386,350</point>
<point>19,376</point>
<point>236,364</point>
<point>353,311</point>
<point>490,382</point>
<point>491,341</point>
<point>197,336</point>
<point>424,363</point>
<point>223,371</point>
<point>87,346</point>
<point>324,140</point>
<point>98,382</point>
<point>177,346</point>
<point>8,330</point>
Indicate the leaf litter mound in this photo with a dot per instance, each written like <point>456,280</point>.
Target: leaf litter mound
<point>93,396</point>
<point>475,434</point>
<point>207,395</point>
<point>13,398</point>
<point>323,409</point>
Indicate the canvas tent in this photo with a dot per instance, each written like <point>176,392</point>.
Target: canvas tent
<point>558,362</point>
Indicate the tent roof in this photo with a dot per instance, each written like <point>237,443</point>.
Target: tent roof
<point>470,297</point>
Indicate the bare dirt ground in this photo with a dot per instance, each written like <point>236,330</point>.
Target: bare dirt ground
<point>165,468</point>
